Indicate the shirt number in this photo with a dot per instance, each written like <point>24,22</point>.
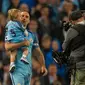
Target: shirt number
<point>13,33</point>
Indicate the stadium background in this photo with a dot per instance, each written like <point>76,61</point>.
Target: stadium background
<point>46,19</point>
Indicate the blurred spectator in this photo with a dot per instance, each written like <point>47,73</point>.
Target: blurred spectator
<point>46,49</point>
<point>6,71</point>
<point>54,10</point>
<point>37,82</point>
<point>46,42</point>
<point>2,25</point>
<point>5,5</point>
<point>30,3</point>
<point>53,78</point>
<point>46,25</point>
<point>2,20</point>
<point>67,7</point>
<point>24,7</point>
<point>34,79</point>
<point>41,1</point>
<point>2,33</point>
<point>56,45</point>
<point>35,11</point>
<point>76,2</point>
<point>1,50</point>
<point>52,70</point>
<point>14,4</point>
<point>33,25</point>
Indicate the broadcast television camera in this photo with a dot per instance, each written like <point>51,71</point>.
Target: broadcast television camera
<point>66,25</point>
<point>60,57</point>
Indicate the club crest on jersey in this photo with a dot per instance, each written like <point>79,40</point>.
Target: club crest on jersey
<point>31,40</point>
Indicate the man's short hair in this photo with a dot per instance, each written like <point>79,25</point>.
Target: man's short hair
<point>75,15</point>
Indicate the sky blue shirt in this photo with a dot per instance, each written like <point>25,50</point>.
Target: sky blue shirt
<point>20,66</point>
<point>14,32</point>
<point>9,37</point>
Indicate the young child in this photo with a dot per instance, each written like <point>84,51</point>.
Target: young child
<point>16,33</point>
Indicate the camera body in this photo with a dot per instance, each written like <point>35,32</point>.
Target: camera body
<point>66,25</point>
<point>60,57</point>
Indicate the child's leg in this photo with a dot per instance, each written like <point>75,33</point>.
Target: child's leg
<point>13,56</point>
<point>25,52</point>
<point>12,60</point>
<point>24,55</point>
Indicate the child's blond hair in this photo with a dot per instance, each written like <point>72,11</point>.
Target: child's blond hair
<point>12,14</point>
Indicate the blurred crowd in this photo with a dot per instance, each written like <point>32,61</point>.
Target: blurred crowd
<point>46,20</point>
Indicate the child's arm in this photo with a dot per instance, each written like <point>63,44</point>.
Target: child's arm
<point>13,46</point>
<point>10,35</point>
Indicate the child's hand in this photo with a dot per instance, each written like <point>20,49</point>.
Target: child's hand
<point>26,42</point>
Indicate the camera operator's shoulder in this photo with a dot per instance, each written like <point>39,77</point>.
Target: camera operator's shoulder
<point>72,30</point>
<point>71,33</point>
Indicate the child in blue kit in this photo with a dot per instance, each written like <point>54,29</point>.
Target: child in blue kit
<point>15,33</point>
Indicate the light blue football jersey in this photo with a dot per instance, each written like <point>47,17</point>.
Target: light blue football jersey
<point>23,72</point>
<point>20,66</point>
<point>14,32</point>
<point>17,36</point>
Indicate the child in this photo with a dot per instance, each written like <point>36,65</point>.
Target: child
<point>16,33</point>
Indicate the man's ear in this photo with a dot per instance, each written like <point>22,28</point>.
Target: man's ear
<point>80,19</point>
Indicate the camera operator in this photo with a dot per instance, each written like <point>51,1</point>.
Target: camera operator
<point>74,43</point>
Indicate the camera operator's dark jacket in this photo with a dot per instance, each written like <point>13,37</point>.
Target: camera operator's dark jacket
<point>79,52</point>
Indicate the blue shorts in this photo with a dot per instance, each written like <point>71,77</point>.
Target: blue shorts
<point>19,79</point>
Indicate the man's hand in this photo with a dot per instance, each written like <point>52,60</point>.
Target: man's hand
<point>43,71</point>
<point>26,42</point>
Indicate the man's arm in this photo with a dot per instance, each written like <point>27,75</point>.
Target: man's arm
<point>38,51</point>
<point>13,46</point>
<point>71,33</point>
<point>43,70</point>
<point>40,57</point>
